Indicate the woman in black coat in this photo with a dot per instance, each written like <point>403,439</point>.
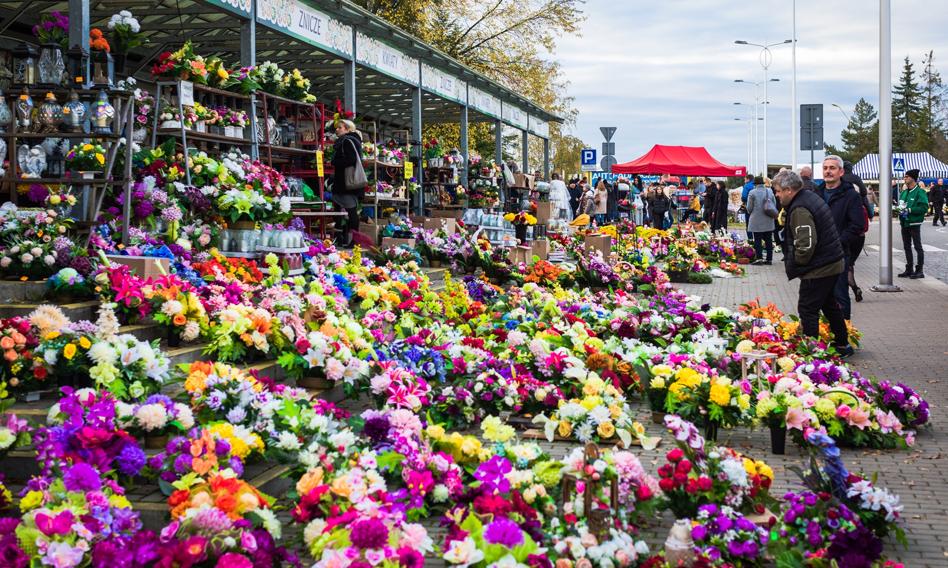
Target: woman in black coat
<point>347,152</point>
<point>710,196</point>
<point>721,201</point>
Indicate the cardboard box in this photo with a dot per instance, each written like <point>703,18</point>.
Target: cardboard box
<point>544,211</point>
<point>521,254</point>
<point>524,180</point>
<point>144,266</point>
<point>541,248</point>
<point>447,213</point>
<point>449,225</point>
<point>393,242</point>
<point>371,230</point>
<point>602,243</point>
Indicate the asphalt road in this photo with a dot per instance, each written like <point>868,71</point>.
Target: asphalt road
<point>934,242</point>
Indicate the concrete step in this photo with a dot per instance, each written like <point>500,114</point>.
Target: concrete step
<point>148,331</point>
<point>12,291</point>
<point>187,353</point>
<point>75,311</point>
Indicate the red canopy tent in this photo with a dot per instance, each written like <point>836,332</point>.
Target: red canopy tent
<point>681,160</point>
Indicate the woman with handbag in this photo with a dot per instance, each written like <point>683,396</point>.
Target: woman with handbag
<point>349,181</point>
<point>761,212</point>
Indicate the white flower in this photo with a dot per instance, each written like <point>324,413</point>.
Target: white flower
<point>5,261</point>
<point>184,415</point>
<point>49,259</point>
<point>172,308</point>
<point>313,530</point>
<point>36,251</point>
<point>26,258</point>
<point>151,416</point>
<point>463,553</point>
<point>288,441</point>
<point>102,353</point>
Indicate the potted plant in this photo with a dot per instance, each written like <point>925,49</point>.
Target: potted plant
<point>126,36</point>
<point>87,159</point>
<point>155,419</point>
<point>521,220</point>
<point>772,411</point>
<point>433,153</point>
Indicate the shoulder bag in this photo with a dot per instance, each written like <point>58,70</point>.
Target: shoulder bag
<point>355,179</point>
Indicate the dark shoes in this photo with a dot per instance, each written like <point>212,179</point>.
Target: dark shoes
<point>908,272</point>
<point>917,274</point>
<point>845,351</point>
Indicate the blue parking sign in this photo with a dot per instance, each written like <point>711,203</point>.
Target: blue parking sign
<point>588,160</point>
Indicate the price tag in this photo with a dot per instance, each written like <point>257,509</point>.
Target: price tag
<point>186,93</point>
<point>319,163</point>
<point>409,170</point>
<point>424,164</point>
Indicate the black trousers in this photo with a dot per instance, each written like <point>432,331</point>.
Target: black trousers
<point>816,295</point>
<point>761,239</point>
<point>939,212</point>
<point>913,235</point>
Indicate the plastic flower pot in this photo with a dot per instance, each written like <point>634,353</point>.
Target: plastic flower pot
<point>711,431</point>
<point>521,233</point>
<point>174,338</point>
<point>156,442</point>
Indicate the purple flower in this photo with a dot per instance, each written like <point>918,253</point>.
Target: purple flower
<point>699,532</point>
<point>369,533</point>
<point>82,477</point>
<point>505,532</point>
<point>493,474</point>
<point>131,460</point>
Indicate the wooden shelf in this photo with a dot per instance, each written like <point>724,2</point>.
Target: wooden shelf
<point>283,100</point>
<point>60,135</point>
<point>204,136</point>
<point>287,150</point>
<point>372,199</point>
<point>62,181</point>
<point>221,92</point>
<point>253,255</point>
<point>280,250</point>
<point>319,213</point>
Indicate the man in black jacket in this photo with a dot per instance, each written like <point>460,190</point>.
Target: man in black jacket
<point>846,206</point>
<point>814,254</point>
<point>936,196</point>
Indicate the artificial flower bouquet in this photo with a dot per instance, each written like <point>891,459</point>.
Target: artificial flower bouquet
<point>268,76</point>
<point>157,416</point>
<point>67,285</point>
<point>118,286</point>
<point>177,307</point>
<point>74,517</point>
<point>14,432</point>
<point>295,86</point>
<point>53,28</point>
<point>725,537</point>
<point>433,149</point>
<point>520,218</point>
<point>126,32</point>
<point>18,340</point>
<point>89,156</point>
<point>182,64</point>
<point>240,331</point>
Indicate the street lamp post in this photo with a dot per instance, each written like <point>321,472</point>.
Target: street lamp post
<point>840,109</point>
<point>885,149</point>
<point>750,151</point>
<point>757,103</point>
<point>766,59</point>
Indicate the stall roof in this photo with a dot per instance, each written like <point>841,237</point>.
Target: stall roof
<point>681,160</point>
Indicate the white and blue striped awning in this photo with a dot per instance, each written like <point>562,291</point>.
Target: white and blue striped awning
<point>927,165</point>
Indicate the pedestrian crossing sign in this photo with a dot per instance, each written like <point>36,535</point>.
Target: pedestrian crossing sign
<point>898,164</point>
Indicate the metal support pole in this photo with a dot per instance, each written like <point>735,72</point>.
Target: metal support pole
<point>79,24</point>
<point>419,149</point>
<point>525,153</point>
<point>349,78</point>
<point>756,132</point>
<point>546,159</point>
<point>794,132</point>
<point>248,58</point>
<point>465,147</point>
<point>499,142</point>
<point>885,149</point>
<point>766,104</point>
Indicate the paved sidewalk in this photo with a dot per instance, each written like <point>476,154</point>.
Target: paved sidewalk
<point>904,338</point>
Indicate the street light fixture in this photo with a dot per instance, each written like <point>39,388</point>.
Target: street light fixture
<point>766,59</point>
<point>842,111</point>
<point>757,103</point>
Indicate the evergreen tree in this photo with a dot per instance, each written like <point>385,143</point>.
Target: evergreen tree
<point>861,135</point>
<point>906,110</point>
<point>931,137</point>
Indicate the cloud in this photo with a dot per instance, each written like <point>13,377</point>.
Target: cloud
<point>663,72</point>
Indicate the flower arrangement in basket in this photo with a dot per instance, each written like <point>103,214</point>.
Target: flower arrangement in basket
<point>88,157</point>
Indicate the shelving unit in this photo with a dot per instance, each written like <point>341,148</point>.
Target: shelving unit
<point>394,172</point>
<point>92,191</point>
<point>288,133</point>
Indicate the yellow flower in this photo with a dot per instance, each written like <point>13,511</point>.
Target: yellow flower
<point>222,73</point>
<point>720,395</point>
<point>86,147</point>
<point>745,346</point>
<point>786,364</point>
<point>84,342</point>
<point>69,351</point>
<point>31,500</point>
<point>657,383</point>
<point>593,385</point>
<point>435,431</point>
<point>615,410</point>
<point>565,429</point>
<point>591,402</point>
<point>52,335</point>
<point>495,430</point>
<point>470,446</point>
<point>119,501</point>
<point>606,429</point>
<point>688,376</point>
<point>100,158</point>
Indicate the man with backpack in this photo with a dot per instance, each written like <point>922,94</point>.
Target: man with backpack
<point>859,242</point>
<point>850,216</point>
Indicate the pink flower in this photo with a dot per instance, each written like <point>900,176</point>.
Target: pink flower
<point>796,418</point>
<point>888,422</point>
<point>859,418</point>
<point>843,410</point>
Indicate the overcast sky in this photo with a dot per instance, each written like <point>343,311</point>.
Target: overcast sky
<point>663,71</point>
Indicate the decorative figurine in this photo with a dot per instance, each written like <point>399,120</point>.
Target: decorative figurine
<point>32,161</point>
<point>3,155</point>
<point>24,109</point>
<point>101,114</point>
<point>74,112</point>
<point>49,114</point>
<point>6,115</point>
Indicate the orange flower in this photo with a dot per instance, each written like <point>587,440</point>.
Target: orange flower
<point>262,324</point>
<point>179,319</point>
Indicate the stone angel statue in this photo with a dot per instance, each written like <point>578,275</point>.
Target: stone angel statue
<point>32,161</point>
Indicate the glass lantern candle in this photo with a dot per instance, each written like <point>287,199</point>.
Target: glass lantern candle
<point>56,163</point>
<point>6,115</point>
<point>24,109</point>
<point>50,66</point>
<point>77,64</point>
<point>24,64</point>
<point>103,69</point>
<point>101,114</point>
<point>50,113</point>
<point>74,112</point>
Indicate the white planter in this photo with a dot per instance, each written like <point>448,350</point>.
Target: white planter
<point>234,131</point>
<point>171,124</point>
<point>200,126</point>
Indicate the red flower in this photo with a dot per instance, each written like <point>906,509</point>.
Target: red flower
<point>666,484</point>
<point>675,455</point>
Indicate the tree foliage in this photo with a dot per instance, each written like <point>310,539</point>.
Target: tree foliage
<point>506,40</point>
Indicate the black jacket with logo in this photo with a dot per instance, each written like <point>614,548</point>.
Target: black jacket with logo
<point>812,245</point>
